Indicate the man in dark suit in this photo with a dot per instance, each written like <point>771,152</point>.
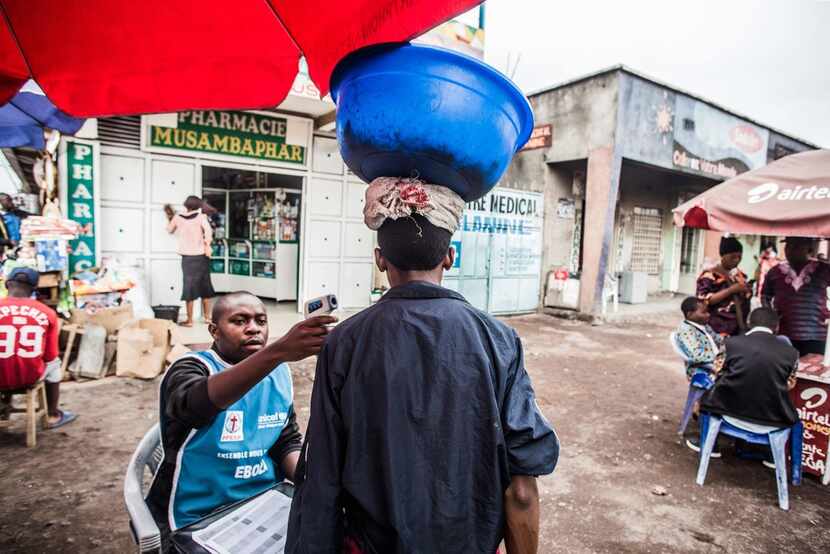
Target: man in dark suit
<point>752,389</point>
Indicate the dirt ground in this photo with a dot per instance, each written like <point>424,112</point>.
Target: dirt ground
<point>613,392</point>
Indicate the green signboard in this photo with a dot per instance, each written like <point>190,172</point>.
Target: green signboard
<point>80,204</point>
<point>241,134</point>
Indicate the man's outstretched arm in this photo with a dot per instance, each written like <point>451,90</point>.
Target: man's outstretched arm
<point>303,340</point>
<point>521,504</point>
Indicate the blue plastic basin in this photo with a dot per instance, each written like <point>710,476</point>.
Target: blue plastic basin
<point>407,110</point>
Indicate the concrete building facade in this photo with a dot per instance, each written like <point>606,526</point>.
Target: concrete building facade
<point>621,151</point>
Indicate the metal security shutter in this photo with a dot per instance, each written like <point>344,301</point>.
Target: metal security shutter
<point>120,131</point>
<point>648,235</point>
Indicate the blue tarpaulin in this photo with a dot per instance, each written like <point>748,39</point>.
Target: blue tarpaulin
<point>23,118</point>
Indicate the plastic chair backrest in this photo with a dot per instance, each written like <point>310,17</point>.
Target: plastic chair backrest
<point>148,454</point>
<point>702,380</point>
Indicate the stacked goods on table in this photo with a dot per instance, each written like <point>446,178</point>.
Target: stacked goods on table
<point>812,366</point>
<point>35,226</point>
<point>44,246</point>
<point>99,288</point>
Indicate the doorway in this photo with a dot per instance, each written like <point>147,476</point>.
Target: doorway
<point>256,226</point>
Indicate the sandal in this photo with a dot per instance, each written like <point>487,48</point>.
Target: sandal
<point>66,417</point>
<point>186,324</point>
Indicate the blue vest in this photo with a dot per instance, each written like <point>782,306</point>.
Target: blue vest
<point>228,461</point>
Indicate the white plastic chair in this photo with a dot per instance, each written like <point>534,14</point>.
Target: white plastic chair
<point>610,290</point>
<point>143,527</point>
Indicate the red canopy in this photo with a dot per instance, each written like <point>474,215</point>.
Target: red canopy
<point>789,197</point>
<point>116,57</point>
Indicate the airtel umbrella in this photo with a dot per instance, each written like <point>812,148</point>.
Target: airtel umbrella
<point>789,197</point>
<point>118,57</point>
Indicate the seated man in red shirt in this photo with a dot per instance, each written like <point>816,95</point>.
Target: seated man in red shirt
<point>29,343</point>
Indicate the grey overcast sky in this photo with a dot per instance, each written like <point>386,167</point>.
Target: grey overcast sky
<point>767,59</point>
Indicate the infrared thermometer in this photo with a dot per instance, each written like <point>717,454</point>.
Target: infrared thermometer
<point>323,305</point>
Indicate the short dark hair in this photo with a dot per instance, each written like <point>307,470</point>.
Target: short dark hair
<point>764,317</point>
<point>19,289</point>
<point>226,301</point>
<point>730,245</point>
<point>413,243</point>
<point>689,305</point>
<point>192,203</point>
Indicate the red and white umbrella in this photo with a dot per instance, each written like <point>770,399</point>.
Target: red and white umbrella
<point>117,57</point>
<point>789,197</point>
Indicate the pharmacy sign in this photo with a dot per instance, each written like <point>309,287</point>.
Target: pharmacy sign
<point>230,133</point>
<point>80,203</point>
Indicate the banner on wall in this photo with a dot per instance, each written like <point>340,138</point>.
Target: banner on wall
<point>80,203</point>
<point>675,131</point>
<point>715,143</point>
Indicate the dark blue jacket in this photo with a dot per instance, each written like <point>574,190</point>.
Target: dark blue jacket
<point>420,414</point>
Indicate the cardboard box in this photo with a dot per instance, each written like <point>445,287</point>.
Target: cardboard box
<point>143,345</point>
<point>48,280</point>
<point>110,319</point>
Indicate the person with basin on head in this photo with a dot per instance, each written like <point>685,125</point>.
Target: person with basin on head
<point>424,434</point>
<point>226,414</point>
<point>797,290</point>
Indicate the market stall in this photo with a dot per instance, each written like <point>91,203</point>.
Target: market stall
<point>789,197</point>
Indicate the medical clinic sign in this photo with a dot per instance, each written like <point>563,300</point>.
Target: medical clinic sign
<point>80,203</point>
<point>514,218</point>
<point>237,134</point>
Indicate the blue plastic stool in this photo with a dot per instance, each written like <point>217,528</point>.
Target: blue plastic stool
<point>711,425</point>
<point>701,382</point>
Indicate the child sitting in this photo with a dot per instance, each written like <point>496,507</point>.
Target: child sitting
<point>696,341</point>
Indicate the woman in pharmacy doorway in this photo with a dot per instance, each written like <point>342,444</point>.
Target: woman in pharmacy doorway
<point>195,235</point>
